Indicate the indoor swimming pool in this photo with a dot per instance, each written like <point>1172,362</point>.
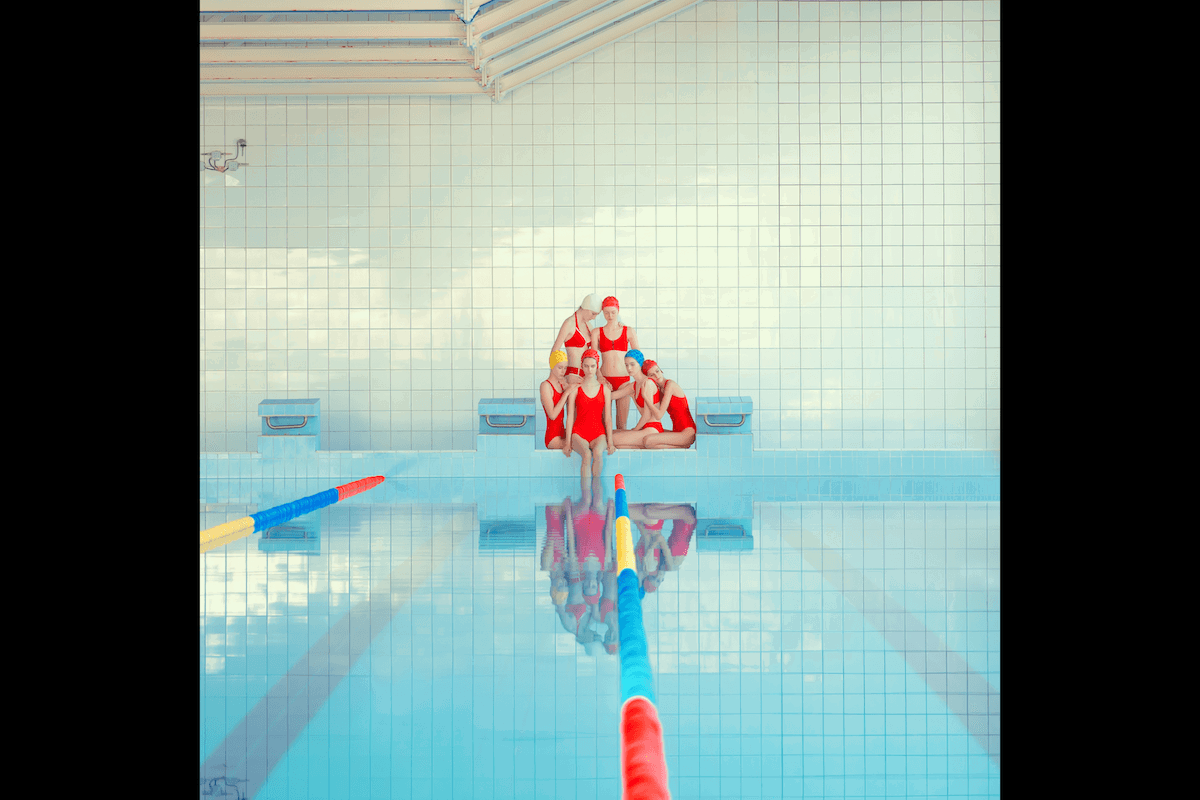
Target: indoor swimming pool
<point>454,639</point>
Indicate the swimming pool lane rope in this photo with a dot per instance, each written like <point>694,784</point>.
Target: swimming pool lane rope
<point>643,755</point>
<point>229,531</point>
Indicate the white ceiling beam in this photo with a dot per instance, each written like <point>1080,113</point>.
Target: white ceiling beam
<point>507,83</point>
<point>236,31</point>
<point>547,22</point>
<point>293,72</point>
<point>294,7</point>
<point>492,19</point>
<point>273,55</point>
<point>497,65</point>
<point>276,88</point>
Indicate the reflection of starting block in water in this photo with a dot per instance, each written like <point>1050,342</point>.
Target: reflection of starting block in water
<point>296,536</point>
<point>507,535</point>
<point>724,534</point>
<point>724,522</point>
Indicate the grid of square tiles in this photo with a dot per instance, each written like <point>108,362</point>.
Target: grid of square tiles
<point>798,202</point>
<point>772,684</point>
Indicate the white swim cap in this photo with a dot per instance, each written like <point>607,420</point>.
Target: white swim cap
<point>591,303</point>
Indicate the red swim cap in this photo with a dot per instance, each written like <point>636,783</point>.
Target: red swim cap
<point>610,301</point>
<point>648,365</point>
<point>590,353</point>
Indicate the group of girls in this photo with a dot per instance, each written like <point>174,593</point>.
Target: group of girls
<point>580,556</point>
<point>593,368</point>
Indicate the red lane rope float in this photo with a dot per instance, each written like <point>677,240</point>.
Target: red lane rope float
<point>351,489</point>
<point>643,759</point>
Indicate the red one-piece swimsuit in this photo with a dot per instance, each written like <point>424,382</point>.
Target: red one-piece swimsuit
<point>554,535</point>
<point>641,404</point>
<point>681,535</point>
<point>555,427</point>
<point>681,417</point>
<point>589,537</point>
<point>589,415</point>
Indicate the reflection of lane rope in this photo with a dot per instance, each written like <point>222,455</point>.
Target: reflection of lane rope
<point>226,784</point>
<point>643,755</point>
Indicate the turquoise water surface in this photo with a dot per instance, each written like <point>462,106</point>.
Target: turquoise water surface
<point>429,639</point>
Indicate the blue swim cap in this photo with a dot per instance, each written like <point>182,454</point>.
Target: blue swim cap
<point>636,355</point>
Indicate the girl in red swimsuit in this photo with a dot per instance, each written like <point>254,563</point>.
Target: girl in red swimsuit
<point>555,391</point>
<point>589,422</point>
<point>674,403</point>
<point>613,340</point>
<point>575,336</point>
<point>646,395</point>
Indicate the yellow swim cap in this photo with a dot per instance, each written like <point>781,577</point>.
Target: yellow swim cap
<point>557,356</point>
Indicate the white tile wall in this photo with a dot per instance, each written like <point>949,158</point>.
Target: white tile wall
<point>798,202</point>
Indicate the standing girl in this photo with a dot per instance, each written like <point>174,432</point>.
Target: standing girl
<point>613,340</point>
<point>575,336</point>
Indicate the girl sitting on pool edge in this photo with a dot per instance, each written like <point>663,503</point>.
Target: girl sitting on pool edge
<point>589,419</point>
<point>674,403</point>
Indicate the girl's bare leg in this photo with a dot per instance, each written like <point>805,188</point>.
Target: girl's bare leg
<point>631,439</point>
<point>622,414</point>
<point>556,443</point>
<point>598,448</point>
<point>676,439</point>
<point>585,453</point>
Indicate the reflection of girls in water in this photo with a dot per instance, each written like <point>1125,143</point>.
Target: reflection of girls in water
<point>589,526</point>
<point>657,555</point>
<point>608,608</point>
<point>647,553</point>
<point>554,555</point>
<point>572,616</point>
<point>566,583</point>
<point>580,555</point>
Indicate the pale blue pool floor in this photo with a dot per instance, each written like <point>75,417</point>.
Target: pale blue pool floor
<point>851,651</point>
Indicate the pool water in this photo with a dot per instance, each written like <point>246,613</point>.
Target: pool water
<point>427,641</point>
